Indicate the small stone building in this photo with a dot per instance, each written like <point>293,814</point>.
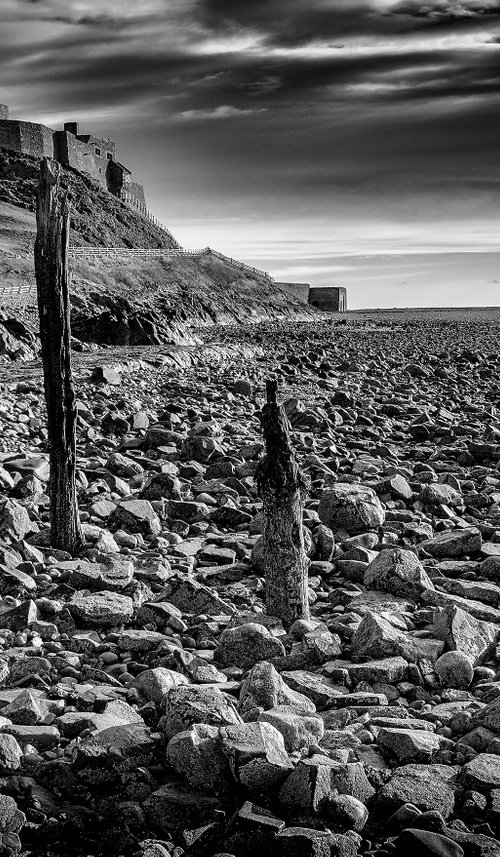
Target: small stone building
<point>328,298</point>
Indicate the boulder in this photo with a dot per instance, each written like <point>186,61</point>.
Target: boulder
<point>398,572</point>
<point>246,645</point>
<point>350,507</point>
<point>190,704</point>
<point>466,634</point>
<point>264,688</point>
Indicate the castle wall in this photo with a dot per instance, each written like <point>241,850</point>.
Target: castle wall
<point>73,153</point>
<point>103,152</point>
<point>10,135</point>
<point>328,299</point>
<point>27,137</point>
<point>85,153</point>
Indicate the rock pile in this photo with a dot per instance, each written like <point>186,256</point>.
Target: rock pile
<point>149,706</point>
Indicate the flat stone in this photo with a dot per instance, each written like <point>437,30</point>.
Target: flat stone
<point>102,609</point>
<point>409,745</point>
<point>173,808</point>
<point>426,843</point>
<point>428,787</point>
<point>136,516</point>
<point>454,543</point>
<point>482,773</point>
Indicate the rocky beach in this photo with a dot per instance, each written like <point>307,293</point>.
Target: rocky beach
<point>148,705</point>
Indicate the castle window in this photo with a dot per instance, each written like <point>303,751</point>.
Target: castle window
<point>97,151</point>
<point>110,156</point>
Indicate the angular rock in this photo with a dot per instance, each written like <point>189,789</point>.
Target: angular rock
<point>263,687</point>
<point>428,787</point>
<point>190,704</point>
<point>196,755</point>
<point>376,637</point>
<point>136,516</point>
<point>257,756</point>
<point>454,543</point>
<point>398,572</point>
<point>466,634</point>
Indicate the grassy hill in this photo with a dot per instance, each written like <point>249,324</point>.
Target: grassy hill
<point>126,299</point>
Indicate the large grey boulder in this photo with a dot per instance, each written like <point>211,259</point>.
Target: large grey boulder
<point>376,637</point>
<point>263,688</point>
<point>399,572</point>
<point>482,774</point>
<point>154,684</point>
<point>454,543</point>
<point>257,756</point>
<point>196,755</point>
<point>246,645</point>
<point>190,704</point>
<point>298,730</point>
<point>14,520</point>
<point>465,633</point>
<point>136,516</point>
<point>102,609</point>
<point>350,507</point>
<point>428,787</point>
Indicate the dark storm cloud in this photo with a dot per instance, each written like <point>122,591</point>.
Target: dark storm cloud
<point>292,22</point>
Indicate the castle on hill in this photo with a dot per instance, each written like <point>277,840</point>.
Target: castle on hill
<point>83,152</point>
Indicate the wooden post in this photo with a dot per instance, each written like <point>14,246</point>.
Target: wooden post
<point>51,269</point>
<point>283,490</point>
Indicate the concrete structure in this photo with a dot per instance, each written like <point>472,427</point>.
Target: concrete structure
<point>85,153</point>
<point>328,298</point>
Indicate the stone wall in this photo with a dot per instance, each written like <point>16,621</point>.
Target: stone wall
<point>27,137</point>
<point>10,135</point>
<point>103,151</point>
<point>85,153</point>
<point>73,153</point>
<point>328,298</point>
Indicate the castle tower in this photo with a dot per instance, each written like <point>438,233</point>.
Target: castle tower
<point>72,127</point>
<point>4,111</point>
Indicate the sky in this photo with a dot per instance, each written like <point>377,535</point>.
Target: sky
<point>335,142</point>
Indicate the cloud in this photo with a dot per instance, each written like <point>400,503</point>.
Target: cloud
<point>294,22</point>
<point>329,112</point>
<point>224,111</point>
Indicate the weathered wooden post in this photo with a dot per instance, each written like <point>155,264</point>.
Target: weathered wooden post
<point>51,269</point>
<point>283,490</point>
